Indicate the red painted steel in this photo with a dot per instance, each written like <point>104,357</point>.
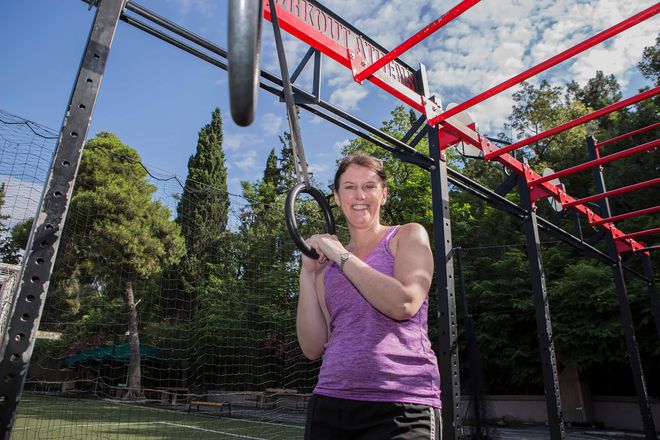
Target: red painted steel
<point>398,80</point>
<point>638,234</point>
<point>614,192</point>
<point>593,163</point>
<point>649,248</point>
<point>575,122</point>
<point>616,218</point>
<point>415,39</point>
<point>627,135</point>
<point>550,62</point>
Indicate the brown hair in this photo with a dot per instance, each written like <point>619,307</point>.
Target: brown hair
<point>363,160</point>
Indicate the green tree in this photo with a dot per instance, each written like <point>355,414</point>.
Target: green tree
<point>202,210</point>
<point>650,63</point>
<point>128,238</point>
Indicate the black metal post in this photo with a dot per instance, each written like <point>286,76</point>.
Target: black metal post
<point>448,330</point>
<point>653,291</point>
<point>624,304</point>
<point>473,352</point>
<point>450,381</point>
<point>47,230</point>
<point>543,324</point>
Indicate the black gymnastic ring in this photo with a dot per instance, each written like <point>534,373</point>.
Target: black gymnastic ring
<point>290,216</point>
<point>243,57</point>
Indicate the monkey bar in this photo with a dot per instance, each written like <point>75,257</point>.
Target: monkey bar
<point>550,62</point>
<point>594,163</point>
<point>627,135</point>
<point>415,39</point>
<point>574,123</point>
<point>612,193</point>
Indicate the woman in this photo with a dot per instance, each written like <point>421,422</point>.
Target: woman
<point>363,308</point>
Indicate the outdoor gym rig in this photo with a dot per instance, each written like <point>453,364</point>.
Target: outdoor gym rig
<point>368,61</point>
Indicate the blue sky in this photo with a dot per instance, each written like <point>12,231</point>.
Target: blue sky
<point>156,97</point>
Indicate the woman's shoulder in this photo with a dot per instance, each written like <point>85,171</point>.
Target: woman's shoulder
<point>409,232</point>
<point>412,230</point>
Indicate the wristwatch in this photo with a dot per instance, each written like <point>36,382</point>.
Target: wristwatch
<point>343,258</point>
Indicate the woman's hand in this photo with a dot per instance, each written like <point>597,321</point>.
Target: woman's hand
<point>327,246</point>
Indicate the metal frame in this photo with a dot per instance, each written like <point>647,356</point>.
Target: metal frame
<point>396,78</point>
<point>49,223</point>
<point>624,304</point>
<point>542,309</point>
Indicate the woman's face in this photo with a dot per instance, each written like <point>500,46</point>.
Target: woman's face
<point>360,195</point>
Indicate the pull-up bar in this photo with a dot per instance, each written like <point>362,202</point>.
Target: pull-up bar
<point>616,218</point>
<point>575,122</point>
<point>418,37</point>
<point>581,47</point>
<point>638,234</point>
<point>614,192</point>
<point>593,163</point>
<point>627,135</point>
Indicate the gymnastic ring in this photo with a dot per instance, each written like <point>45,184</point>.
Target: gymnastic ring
<point>243,57</point>
<point>290,216</point>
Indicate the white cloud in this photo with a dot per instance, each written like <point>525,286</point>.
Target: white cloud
<point>340,144</point>
<point>318,168</point>
<point>347,95</point>
<point>247,161</point>
<point>271,123</point>
<point>237,141</point>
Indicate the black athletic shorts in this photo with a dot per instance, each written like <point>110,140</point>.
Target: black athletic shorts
<point>329,418</point>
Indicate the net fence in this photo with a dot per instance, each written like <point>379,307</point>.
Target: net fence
<point>191,335</point>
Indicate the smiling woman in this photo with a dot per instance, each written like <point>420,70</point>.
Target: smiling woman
<point>363,308</point>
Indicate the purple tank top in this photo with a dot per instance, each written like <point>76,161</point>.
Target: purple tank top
<point>370,356</point>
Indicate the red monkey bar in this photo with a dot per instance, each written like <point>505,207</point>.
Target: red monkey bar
<point>415,39</point>
<point>638,234</point>
<point>627,135</point>
<point>598,38</point>
<point>326,32</point>
<point>615,218</point>
<point>593,163</point>
<point>575,122</point>
<point>614,192</point>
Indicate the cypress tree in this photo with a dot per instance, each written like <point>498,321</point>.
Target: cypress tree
<point>203,209</point>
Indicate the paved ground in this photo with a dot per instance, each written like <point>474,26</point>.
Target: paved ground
<point>542,432</point>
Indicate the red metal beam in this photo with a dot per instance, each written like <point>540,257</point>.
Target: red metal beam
<point>593,163</point>
<point>575,122</point>
<point>616,218</point>
<point>598,38</point>
<point>627,135</point>
<point>638,234</point>
<point>649,248</point>
<point>614,192</point>
<point>346,46</point>
<point>415,39</point>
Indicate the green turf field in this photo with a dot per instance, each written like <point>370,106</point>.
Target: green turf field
<point>48,417</point>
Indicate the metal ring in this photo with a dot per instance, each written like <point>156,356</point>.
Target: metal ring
<point>243,56</point>
<point>290,216</point>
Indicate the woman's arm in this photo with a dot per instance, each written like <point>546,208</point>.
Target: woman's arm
<point>311,324</point>
<point>399,296</point>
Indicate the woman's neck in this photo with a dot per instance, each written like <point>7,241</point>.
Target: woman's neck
<point>365,238</point>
